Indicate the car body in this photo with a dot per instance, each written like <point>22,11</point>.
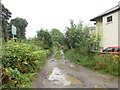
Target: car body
<point>113,49</point>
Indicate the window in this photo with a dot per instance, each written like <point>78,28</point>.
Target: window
<point>108,50</point>
<point>109,19</point>
<point>116,49</point>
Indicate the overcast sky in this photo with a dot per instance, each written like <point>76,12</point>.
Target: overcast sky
<point>50,14</point>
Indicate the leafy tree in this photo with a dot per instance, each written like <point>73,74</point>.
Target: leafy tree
<point>78,36</point>
<point>21,25</point>
<point>57,37</point>
<point>45,37</point>
<point>69,40</point>
<point>4,17</point>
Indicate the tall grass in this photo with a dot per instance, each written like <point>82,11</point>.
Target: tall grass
<point>58,56</point>
<point>104,63</point>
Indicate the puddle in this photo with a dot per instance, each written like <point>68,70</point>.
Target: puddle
<point>60,79</point>
<point>57,77</point>
<point>72,79</point>
<point>74,68</point>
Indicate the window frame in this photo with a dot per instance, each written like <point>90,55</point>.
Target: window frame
<point>108,50</point>
<point>109,19</point>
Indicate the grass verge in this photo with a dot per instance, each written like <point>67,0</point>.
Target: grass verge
<point>103,63</point>
<point>58,56</point>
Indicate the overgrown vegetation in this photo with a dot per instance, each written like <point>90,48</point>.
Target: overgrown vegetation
<point>79,36</point>
<point>45,37</point>
<point>79,43</point>
<point>57,37</point>
<point>104,63</point>
<point>58,56</point>
<point>21,62</point>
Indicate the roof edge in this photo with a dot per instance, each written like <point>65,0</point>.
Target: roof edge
<point>106,12</point>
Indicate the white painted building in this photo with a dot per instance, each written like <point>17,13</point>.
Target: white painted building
<point>108,24</point>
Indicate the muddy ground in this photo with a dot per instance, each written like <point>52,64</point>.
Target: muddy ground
<point>65,74</point>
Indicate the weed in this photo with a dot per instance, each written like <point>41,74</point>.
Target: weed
<point>105,63</point>
<point>58,56</point>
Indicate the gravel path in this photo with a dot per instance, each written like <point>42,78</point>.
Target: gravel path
<point>65,74</point>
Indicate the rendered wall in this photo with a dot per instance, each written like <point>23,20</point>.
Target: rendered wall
<point>110,31</point>
<point>119,27</point>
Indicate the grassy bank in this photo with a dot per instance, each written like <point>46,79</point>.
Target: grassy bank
<point>104,63</point>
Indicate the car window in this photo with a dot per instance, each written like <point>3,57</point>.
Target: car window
<point>115,49</point>
<point>118,49</point>
<point>108,49</point>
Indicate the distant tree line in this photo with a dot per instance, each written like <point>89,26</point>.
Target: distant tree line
<point>76,36</point>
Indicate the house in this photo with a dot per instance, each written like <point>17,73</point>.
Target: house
<point>108,25</point>
<point>92,29</point>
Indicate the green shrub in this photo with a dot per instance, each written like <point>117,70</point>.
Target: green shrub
<point>20,61</point>
<point>22,56</point>
<point>65,48</point>
<point>14,79</point>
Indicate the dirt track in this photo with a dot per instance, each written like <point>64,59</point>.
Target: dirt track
<point>65,74</point>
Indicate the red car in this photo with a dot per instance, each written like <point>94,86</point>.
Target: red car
<point>115,49</point>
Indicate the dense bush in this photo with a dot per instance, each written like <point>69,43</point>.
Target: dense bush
<point>12,78</point>
<point>46,38</point>
<point>79,36</point>
<point>21,60</point>
<point>104,63</point>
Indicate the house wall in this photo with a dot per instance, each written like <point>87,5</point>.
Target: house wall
<point>119,27</point>
<point>110,31</point>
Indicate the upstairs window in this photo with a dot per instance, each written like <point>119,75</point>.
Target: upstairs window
<point>109,19</point>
